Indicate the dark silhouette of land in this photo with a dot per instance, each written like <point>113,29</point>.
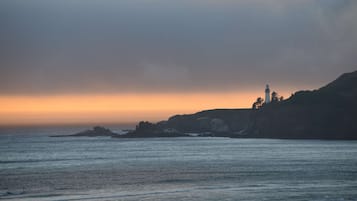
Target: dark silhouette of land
<point>95,132</point>
<point>219,122</point>
<point>327,113</point>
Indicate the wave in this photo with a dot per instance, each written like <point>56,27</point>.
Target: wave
<point>47,160</point>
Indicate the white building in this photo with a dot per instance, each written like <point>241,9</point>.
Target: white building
<point>267,94</point>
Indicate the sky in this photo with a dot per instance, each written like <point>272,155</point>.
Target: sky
<point>77,61</point>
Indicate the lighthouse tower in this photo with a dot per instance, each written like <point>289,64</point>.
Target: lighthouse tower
<point>267,94</point>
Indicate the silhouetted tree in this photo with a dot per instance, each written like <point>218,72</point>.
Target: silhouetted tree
<point>258,103</point>
<point>281,98</point>
<point>254,107</point>
<point>274,97</point>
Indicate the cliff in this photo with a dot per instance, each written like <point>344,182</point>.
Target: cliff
<point>146,129</point>
<point>327,113</point>
<point>218,122</point>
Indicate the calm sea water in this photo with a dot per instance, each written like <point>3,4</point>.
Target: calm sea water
<point>34,166</point>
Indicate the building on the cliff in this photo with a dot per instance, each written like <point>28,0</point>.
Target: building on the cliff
<point>267,94</point>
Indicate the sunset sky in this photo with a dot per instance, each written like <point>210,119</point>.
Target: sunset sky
<point>87,61</point>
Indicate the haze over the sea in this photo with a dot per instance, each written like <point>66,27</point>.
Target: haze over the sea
<point>123,61</point>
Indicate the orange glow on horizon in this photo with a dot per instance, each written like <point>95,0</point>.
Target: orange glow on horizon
<point>124,108</point>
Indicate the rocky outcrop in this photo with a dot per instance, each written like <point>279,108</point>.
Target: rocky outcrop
<point>97,131</point>
<point>147,129</point>
<point>219,122</point>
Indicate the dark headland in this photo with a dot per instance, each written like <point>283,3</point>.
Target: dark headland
<point>326,113</point>
<point>97,131</point>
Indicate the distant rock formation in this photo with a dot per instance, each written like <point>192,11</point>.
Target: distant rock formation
<point>147,129</point>
<point>95,132</point>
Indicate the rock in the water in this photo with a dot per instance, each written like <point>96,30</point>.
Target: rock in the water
<point>95,132</point>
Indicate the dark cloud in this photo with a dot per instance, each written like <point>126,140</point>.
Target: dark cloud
<point>49,47</point>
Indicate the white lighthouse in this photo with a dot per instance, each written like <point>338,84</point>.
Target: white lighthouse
<point>267,94</point>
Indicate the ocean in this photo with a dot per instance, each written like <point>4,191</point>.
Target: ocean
<point>34,166</point>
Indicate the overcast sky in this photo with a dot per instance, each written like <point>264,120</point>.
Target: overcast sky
<point>108,46</point>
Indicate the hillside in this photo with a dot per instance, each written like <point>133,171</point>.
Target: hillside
<point>327,113</point>
<point>218,122</point>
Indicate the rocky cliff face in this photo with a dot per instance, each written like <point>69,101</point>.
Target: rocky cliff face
<point>212,122</point>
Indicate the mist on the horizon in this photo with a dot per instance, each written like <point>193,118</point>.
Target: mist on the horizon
<point>174,50</point>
